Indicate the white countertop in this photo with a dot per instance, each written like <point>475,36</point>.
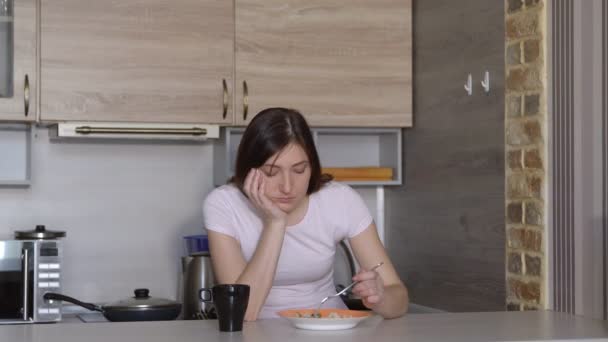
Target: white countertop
<point>487,326</point>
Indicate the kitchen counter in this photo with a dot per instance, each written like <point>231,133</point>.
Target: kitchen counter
<point>487,326</point>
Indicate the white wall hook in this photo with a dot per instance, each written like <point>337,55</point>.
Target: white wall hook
<point>485,83</point>
<point>469,85</point>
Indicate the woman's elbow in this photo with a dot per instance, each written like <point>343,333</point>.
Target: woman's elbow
<point>401,298</point>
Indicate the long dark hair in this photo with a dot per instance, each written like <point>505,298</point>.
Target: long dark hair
<point>268,133</point>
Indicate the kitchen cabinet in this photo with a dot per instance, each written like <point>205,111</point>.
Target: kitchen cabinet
<point>18,60</point>
<point>137,61</point>
<point>340,62</point>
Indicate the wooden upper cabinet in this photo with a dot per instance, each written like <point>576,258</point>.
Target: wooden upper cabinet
<point>139,61</point>
<point>340,62</point>
<point>18,61</point>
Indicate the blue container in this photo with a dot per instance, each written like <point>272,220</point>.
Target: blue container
<point>196,244</point>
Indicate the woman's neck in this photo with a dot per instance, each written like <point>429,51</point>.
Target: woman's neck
<point>298,214</point>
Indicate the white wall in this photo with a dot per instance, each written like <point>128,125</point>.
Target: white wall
<point>124,206</point>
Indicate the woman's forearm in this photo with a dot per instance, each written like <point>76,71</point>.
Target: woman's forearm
<point>260,271</point>
<point>395,302</point>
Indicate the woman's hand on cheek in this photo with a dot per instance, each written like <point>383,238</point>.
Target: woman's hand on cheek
<point>370,288</point>
<point>255,187</point>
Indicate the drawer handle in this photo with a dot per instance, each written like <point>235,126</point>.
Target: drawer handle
<point>245,100</point>
<point>26,94</point>
<point>225,109</point>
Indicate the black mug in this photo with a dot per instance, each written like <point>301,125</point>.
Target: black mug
<point>230,301</point>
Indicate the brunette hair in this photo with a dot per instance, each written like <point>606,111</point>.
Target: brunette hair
<point>268,133</point>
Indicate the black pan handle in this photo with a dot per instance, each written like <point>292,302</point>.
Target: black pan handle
<point>59,296</point>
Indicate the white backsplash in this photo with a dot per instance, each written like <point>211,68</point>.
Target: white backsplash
<point>124,206</point>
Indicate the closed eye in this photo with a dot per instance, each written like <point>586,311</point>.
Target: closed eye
<point>299,169</point>
<point>270,171</point>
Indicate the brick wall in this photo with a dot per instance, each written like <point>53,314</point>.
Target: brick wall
<point>525,135</point>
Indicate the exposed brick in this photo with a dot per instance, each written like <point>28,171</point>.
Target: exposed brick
<point>515,212</point>
<point>522,25</point>
<point>514,288</point>
<point>515,134</point>
<point>531,50</point>
<point>517,186</point>
<point>514,264</point>
<point>514,5</point>
<point>534,186</point>
<point>525,239</point>
<point>520,185</point>
<point>513,307</point>
<point>525,159</point>
<point>514,54</point>
<point>524,79</point>
<point>533,131</point>
<point>530,291</point>
<point>516,238</point>
<point>533,265</point>
<point>521,290</point>
<point>532,240</point>
<point>514,106</point>
<point>534,214</point>
<point>532,104</point>
<point>516,79</point>
<point>514,159</point>
<point>533,80</point>
<point>533,160</point>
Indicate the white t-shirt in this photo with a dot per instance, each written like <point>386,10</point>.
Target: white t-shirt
<point>304,272</point>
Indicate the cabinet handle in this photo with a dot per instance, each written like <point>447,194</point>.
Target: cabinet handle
<point>26,95</point>
<point>225,86</point>
<point>26,271</point>
<point>245,100</point>
<point>138,130</point>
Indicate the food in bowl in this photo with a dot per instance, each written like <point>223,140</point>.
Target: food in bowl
<point>316,314</point>
<point>324,313</point>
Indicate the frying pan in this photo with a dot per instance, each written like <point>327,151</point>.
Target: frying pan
<point>142,307</point>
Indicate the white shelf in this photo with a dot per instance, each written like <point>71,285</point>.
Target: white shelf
<point>337,147</point>
<point>10,183</point>
<point>6,19</point>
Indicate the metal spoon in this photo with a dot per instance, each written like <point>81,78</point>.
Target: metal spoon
<point>317,313</point>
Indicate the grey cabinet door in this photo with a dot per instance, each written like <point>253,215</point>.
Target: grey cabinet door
<point>445,225</point>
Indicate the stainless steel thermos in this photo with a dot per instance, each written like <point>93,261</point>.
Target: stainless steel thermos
<point>197,273</point>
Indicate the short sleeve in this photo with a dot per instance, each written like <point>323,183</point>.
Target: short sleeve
<point>355,215</point>
<point>357,212</point>
<point>218,215</point>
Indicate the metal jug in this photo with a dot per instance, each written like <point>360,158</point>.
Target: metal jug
<point>197,273</point>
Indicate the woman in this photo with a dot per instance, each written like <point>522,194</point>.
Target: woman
<point>276,225</point>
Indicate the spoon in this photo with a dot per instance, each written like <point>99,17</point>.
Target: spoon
<point>317,313</point>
